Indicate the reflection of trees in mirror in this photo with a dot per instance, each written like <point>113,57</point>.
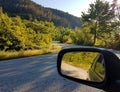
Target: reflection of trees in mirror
<point>80,59</point>
<point>84,65</point>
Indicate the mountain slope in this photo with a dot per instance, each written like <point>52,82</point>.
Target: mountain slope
<point>28,9</point>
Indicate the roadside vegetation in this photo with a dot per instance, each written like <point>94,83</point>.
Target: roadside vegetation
<point>100,27</point>
<point>21,38</point>
<point>83,60</point>
<point>4,55</point>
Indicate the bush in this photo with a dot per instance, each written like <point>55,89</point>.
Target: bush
<point>16,34</point>
<point>115,42</point>
<point>83,38</point>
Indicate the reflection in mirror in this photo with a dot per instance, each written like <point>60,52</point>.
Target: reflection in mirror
<point>84,65</point>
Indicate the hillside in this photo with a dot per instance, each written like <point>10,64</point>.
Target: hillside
<point>28,9</point>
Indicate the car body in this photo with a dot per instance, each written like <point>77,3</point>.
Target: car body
<point>97,69</point>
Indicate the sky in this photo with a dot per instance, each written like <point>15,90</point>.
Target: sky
<point>74,7</point>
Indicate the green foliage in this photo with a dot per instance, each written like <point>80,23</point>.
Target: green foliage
<point>114,41</point>
<point>80,59</point>
<point>76,36</point>
<point>99,19</point>
<point>8,38</point>
<point>29,10</point>
<point>16,34</point>
<point>64,35</point>
<point>19,54</point>
<point>83,37</point>
<point>43,30</point>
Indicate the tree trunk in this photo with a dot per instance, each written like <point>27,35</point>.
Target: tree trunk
<point>95,33</point>
<point>95,36</point>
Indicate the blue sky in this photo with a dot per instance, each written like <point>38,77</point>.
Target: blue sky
<point>74,7</point>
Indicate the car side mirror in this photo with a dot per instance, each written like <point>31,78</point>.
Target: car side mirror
<point>91,66</point>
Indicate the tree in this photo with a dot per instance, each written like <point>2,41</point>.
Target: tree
<point>99,18</point>
<point>29,10</point>
<point>8,37</point>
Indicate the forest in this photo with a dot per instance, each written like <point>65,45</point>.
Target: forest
<point>27,9</point>
<point>100,27</point>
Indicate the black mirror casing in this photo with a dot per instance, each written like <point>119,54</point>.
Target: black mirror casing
<point>112,67</point>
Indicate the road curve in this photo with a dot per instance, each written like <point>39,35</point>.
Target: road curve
<point>74,71</point>
<point>36,74</point>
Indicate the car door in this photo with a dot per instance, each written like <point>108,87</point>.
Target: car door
<point>97,70</point>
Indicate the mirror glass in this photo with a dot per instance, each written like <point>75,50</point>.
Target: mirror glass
<point>84,65</point>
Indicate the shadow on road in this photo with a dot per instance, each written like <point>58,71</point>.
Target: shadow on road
<point>33,74</point>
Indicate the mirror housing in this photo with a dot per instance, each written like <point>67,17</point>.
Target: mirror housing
<point>112,66</point>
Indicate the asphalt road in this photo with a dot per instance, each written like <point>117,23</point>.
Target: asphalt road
<point>74,71</point>
<point>36,74</point>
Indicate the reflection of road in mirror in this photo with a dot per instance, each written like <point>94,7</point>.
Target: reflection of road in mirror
<point>73,71</point>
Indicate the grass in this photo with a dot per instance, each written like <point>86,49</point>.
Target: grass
<point>19,54</point>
